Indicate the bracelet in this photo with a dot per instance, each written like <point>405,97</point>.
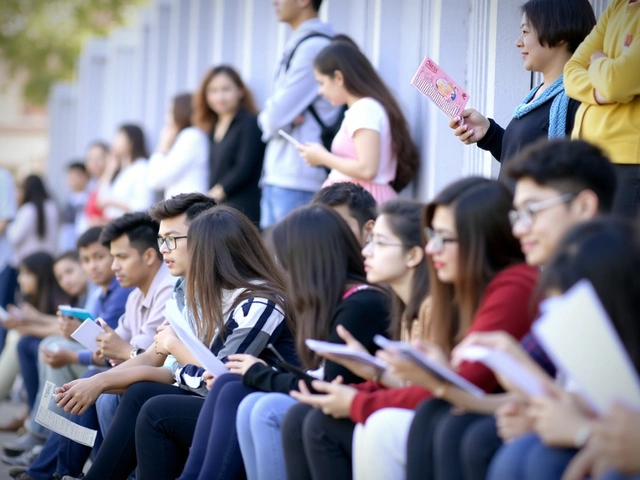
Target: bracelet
<point>582,436</point>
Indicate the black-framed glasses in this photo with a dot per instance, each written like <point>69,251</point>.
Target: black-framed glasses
<point>437,240</point>
<point>170,242</point>
<point>371,240</point>
<point>525,215</point>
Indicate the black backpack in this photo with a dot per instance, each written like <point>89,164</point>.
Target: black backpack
<point>327,131</point>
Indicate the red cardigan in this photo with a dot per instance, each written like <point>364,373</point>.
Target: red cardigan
<point>506,306</point>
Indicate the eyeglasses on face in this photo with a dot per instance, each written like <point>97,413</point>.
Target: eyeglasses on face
<point>436,240</point>
<point>170,242</point>
<point>526,214</point>
<point>371,240</point>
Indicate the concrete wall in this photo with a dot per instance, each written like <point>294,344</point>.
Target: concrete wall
<point>132,75</point>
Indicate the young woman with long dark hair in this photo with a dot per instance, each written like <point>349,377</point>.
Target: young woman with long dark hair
<point>478,282</point>
<point>326,288</point>
<point>180,162</point>
<point>373,146</point>
<point>225,109</point>
<point>35,226</point>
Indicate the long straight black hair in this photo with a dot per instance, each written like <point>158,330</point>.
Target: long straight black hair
<point>362,80</point>
<point>48,293</point>
<point>485,247</point>
<point>34,192</point>
<point>321,256</point>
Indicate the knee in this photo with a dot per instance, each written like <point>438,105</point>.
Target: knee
<point>269,410</point>
<point>147,419</point>
<point>292,423</point>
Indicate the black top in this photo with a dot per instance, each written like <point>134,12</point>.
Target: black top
<point>365,314</point>
<point>504,144</point>
<point>235,163</point>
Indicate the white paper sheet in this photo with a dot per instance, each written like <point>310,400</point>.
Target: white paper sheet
<point>341,350</point>
<point>59,424</point>
<point>505,365</point>
<point>580,339</point>
<point>86,334</point>
<point>434,368</point>
<point>207,360</point>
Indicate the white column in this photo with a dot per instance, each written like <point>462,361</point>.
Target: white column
<point>62,111</point>
<point>200,41</point>
<point>178,53</point>
<point>92,66</point>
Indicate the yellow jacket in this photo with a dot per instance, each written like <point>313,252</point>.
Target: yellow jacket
<point>615,127</point>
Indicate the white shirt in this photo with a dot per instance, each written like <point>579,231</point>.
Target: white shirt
<point>129,187</point>
<point>185,168</point>
<point>23,231</point>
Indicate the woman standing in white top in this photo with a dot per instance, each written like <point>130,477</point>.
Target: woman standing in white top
<point>35,226</point>
<point>373,146</point>
<point>180,163</point>
<point>122,187</point>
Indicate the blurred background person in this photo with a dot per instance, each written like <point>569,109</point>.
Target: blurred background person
<point>8,274</point>
<point>73,211</point>
<point>95,162</point>
<point>180,162</point>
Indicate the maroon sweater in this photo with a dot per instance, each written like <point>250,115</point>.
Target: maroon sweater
<point>506,306</point>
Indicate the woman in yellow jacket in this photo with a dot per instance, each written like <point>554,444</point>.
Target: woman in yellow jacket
<point>604,74</point>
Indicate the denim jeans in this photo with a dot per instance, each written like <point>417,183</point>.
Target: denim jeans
<point>28,350</point>
<point>107,405</point>
<point>527,458</point>
<point>8,286</point>
<point>277,202</point>
<point>258,424</point>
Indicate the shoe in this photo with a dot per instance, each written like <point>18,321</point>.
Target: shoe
<point>22,444</point>
<point>13,425</point>
<point>21,476</point>
<point>24,459</point>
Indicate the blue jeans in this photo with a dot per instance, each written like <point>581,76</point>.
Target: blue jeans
<point>527,458</point>
<point>258,423</point>
<point>107,404</point>
<point>28,349</point>
<point>277,202</point>
<point>215,453</point>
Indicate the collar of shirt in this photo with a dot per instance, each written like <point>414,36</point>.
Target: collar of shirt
<point>159,279</point>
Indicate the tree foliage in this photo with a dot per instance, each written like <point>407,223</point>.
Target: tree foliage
<point>43,38</point>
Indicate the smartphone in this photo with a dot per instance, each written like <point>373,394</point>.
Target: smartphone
<point>289,367</point>
<point>289,138</point>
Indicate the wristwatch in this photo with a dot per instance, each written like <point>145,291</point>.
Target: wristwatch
<point>135,352</point>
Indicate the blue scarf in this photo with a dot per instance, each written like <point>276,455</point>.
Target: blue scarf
<point>559,107</point>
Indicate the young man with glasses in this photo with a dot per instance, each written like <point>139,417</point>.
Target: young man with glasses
<point>559,183</point>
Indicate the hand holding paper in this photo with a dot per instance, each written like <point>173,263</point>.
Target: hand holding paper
<point>86,335</point>
<point>207,360</point>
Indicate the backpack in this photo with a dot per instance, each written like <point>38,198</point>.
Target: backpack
<point>327,131</point>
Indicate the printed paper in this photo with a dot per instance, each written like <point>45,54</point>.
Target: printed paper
<point>440,88</point>
<point>341,350</point>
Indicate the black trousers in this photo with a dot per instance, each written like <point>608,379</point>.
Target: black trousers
<point>164,433</point>
<point>316,446</point>
<point>627,198</point>
<point>446,445</point>
<point>116,458</point>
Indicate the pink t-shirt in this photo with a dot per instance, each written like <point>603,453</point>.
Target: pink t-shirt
<point>370,114</point>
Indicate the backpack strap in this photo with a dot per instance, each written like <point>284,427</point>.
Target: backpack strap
<point>303,39</point>
<point>354,289</point>
<point>314,114</point>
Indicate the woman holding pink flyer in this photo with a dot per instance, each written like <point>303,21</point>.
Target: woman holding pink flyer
<point>373,147</point>
<point>550,33</point>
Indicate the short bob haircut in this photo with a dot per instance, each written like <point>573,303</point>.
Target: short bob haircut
<point>557,21</point>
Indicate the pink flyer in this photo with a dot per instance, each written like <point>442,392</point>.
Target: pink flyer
<point>438,87</point>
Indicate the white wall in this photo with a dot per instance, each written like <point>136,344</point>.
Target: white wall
<point>132,75</point>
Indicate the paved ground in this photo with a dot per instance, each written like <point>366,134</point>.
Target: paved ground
<point>7,411</point>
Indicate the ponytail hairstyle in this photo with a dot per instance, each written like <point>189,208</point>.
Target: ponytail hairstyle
<point>362,80</point>
<point>404,220</point>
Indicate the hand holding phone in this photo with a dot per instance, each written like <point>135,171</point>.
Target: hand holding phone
<point>289,138</point>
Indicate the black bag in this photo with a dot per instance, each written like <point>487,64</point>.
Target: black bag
<point>327,131</point>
